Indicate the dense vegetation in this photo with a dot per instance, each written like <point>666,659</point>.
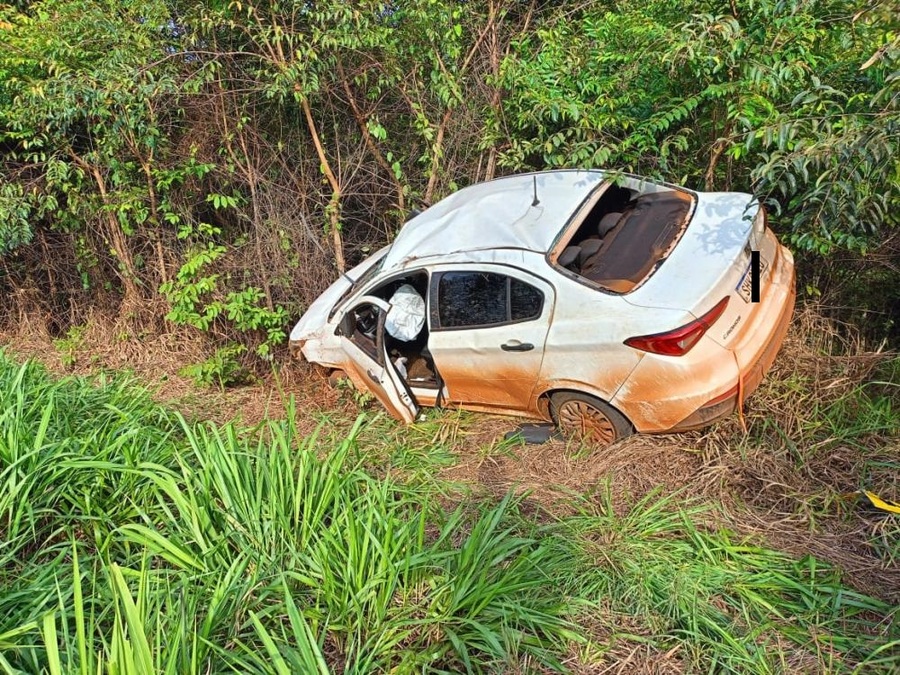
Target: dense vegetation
<point>201,171</point>
<point>134,541</point>
<point>217,163</point>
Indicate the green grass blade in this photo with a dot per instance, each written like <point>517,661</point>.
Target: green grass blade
<point>140,647</point>
<point>281,666</point>
<point>78,601</point>
<point>51,644</point>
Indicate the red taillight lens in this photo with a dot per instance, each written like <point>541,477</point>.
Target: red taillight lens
<point>679,342</point>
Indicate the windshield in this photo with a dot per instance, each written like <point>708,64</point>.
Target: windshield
<point>368,274</point>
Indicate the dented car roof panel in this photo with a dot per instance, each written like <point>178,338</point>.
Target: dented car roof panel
<point>496,214</point>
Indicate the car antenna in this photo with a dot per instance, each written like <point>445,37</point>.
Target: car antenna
<point>536,200</point>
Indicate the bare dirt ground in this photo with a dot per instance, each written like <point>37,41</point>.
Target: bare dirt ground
<point>781,482</point>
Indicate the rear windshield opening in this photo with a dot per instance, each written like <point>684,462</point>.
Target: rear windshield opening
<point>626,234</point>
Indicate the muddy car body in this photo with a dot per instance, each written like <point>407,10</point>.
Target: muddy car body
<point>607,303</point>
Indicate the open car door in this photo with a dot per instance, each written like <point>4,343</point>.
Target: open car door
<point>362,339</point>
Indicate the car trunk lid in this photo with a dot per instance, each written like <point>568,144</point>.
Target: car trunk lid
<point>711,262</point>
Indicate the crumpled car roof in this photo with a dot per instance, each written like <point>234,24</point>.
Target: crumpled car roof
<point>496,214</point>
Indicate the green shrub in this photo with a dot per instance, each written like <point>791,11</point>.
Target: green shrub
<point>222,368</point>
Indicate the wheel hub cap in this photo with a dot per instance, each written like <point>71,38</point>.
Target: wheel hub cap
<point>585,421</point>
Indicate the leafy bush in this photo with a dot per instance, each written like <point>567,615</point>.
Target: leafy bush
<point>297,144</point>
<point>69,345</point>
<point>222,368</point>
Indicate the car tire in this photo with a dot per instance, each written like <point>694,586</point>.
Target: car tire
<point>588,418</point>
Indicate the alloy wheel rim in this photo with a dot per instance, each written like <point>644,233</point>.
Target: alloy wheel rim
<point>585,421</point>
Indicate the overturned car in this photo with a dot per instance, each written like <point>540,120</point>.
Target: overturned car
<point>606,303</point>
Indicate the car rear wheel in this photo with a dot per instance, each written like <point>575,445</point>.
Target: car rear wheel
<point>588,418</point>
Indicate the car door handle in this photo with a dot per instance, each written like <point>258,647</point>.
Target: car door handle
<point>516,346</point>
<point>373,376</point>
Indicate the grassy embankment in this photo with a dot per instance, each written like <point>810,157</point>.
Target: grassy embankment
<point>134,541</point>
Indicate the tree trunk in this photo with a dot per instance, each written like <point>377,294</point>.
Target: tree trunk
<point>495,95</point>
<point>253,182</point>
<point>154,220</point>
<point>436,157</point>
<point>718,148</point>
<point>334,204</point>
<point>362,123</point>
<point>119,245</point>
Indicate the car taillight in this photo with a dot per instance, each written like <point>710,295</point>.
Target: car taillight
<point>679,342</point>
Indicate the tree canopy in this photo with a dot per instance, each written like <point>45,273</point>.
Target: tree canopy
<point>229,159</point>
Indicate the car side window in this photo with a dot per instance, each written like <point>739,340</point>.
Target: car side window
<point>468,299</point>
<point>525,302</point>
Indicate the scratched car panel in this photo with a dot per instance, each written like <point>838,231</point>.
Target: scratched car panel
<point>607,303</point>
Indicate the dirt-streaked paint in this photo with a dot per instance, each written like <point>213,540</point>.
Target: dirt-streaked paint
<point>664,391</point>
<point>658,392</point>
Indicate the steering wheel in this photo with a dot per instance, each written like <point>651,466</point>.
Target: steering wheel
<point>367,321</point>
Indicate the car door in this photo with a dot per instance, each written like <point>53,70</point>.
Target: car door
<point>361,332</point>
<point>489,325</point>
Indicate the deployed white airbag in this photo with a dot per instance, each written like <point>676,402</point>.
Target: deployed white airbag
<point>406,316</point>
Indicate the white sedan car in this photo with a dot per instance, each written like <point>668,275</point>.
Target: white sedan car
<point>603,302</point>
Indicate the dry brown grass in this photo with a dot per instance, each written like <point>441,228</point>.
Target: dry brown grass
<point>108,343</point>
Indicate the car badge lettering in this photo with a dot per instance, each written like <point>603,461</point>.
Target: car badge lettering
<point>731,327</point>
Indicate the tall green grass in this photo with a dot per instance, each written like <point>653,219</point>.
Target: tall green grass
<point>134,541</point>
<point>729,604</point>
